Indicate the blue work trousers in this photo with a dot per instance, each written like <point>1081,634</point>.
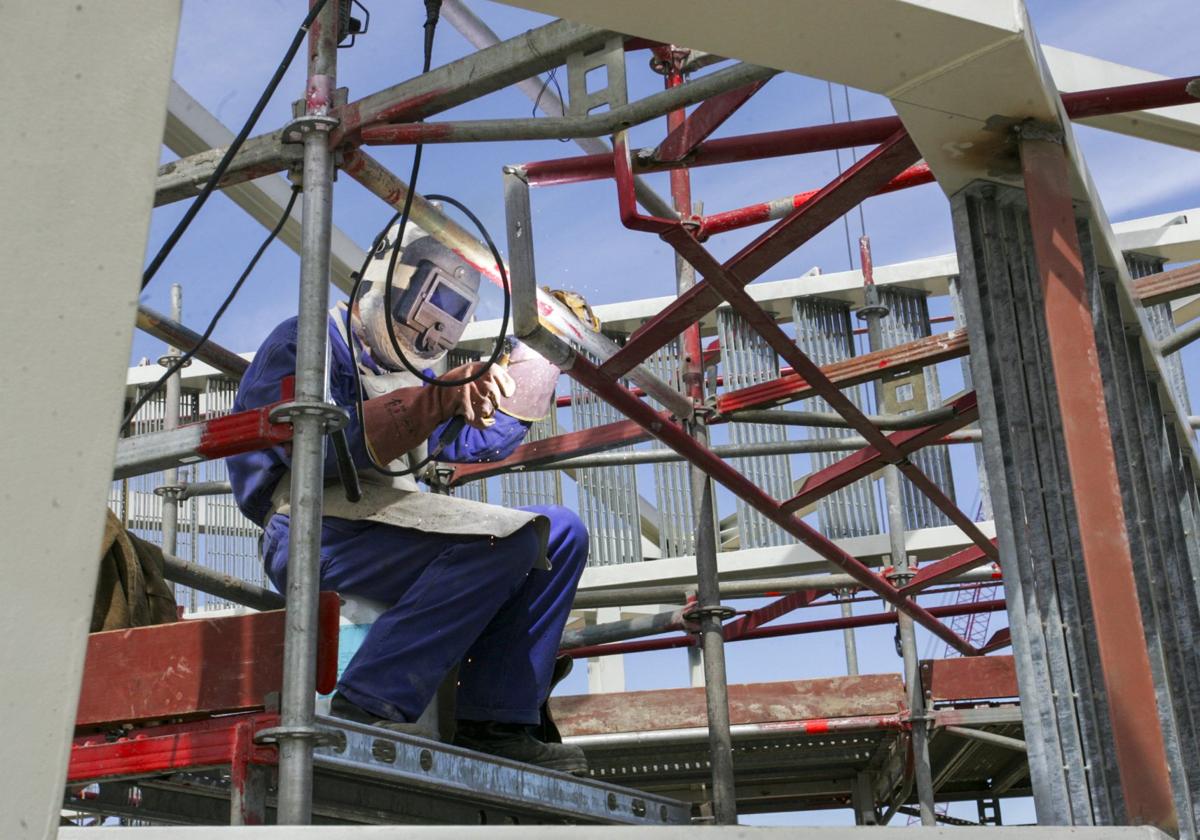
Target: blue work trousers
<point>477,601</point>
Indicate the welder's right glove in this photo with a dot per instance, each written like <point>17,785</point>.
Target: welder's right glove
<point>401,420</point>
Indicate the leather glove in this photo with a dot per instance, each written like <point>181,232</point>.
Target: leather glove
<point>403,419</point>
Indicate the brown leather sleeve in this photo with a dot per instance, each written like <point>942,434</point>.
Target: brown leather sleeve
<point>401,420</point>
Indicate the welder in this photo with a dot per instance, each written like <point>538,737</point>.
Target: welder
<point>481,587</point>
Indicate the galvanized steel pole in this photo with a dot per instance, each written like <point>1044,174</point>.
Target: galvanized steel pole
<point>708,608</point>
<point>169,490</point>
<point>310,416</point>
<point>873,313</point>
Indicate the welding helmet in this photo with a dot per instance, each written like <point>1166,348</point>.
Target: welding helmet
<point>434,295</point>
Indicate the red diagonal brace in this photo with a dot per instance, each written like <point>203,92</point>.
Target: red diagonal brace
<point>675,437</point>
<point>864,179</point>
<point>867,460</point>
<point>956,563</point>
<point>703,121</point>
<point>756,618</point>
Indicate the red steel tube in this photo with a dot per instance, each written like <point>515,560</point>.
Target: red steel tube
<point>797,629</point>
<point>820,138</point>
<point>778,208</point>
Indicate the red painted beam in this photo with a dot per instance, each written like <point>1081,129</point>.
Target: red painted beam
<point>791,386</point>
<point>755,214</point>
<point>867,460</point>
<point>703,121</point>
<point>833,201</point>
<point>845,135</point>
<point>195,668</point>
<point>215,742</point>
<point>764,615</point>
<point>934,573</point>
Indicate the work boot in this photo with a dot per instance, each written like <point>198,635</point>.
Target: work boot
<point>515,742</point>
<point>341,707</point>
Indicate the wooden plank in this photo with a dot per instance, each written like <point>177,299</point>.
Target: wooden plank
<point>680,708</point>
<point>195,668</point>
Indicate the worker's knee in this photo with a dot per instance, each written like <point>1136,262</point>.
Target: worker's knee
<point>568,537</point>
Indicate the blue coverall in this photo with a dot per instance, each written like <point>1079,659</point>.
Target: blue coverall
<point>474,600</point>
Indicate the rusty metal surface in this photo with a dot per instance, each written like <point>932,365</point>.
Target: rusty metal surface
<point>878,694</point>
<point>968,678</point>
<point>1168,285</point>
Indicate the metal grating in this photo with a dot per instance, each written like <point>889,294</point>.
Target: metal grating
<point>983,510</point>
<point>675,516</point>
<point>823,331</point>
<point>746,359</point>
<point>520,489</point>
<point>1162,323</point>
<point>608,496</point>
<point>907,320</point>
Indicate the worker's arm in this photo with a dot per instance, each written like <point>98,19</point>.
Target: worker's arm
<point>494,443</point>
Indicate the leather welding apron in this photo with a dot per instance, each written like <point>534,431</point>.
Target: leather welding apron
<point>399,500</point>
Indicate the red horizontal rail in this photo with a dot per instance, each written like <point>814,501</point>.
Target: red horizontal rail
<point>755,214</point>
<point>822,138</point>
<point>703,121</point>
<point>934,573</point>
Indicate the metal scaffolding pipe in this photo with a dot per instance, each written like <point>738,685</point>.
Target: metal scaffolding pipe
<point>480,35</point>
<point>557,128</point>
<point>668,593</point>
<point>171,331</point>
<point>224,586</point>
<point>172,394</point>
<point>776,630</point>
<point>775,729</point>
<point>664,455</point>
<point>310,419</point>
<point>1180,339</point>
<point>988,738</point>
<point>190,490</point>
<point>833,420</point>
<point>873,313</point>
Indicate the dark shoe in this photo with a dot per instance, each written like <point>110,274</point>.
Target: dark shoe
<point>515,742</point>
<point>340,707</point>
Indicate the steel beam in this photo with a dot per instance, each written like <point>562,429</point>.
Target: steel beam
<point>697,126</point>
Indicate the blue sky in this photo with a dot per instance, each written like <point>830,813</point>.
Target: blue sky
<point>227,50</point>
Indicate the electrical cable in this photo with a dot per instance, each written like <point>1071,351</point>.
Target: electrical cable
<point>187,357</point>
<point>455,426</point>
<point>213,180</point>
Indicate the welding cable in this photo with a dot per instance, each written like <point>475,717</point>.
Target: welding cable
<point>187,357</point>
<point>211,184</point>
<point>432,10</point>
<point>455,426</point>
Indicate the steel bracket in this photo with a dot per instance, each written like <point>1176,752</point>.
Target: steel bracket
<point>332,417</point>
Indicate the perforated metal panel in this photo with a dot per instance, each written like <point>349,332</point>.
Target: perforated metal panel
<point>533,488</point>
<point>907,320</point>
<point>676,520</point>
<point>608,496</point>
<point>746,359</point>
<point>824,332</point>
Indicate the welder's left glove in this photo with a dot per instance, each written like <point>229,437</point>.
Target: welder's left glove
<point>536,379</point>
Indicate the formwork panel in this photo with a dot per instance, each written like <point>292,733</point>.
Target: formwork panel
<point>1065,706</point>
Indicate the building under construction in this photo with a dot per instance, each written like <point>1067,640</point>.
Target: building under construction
<point>755,456</point>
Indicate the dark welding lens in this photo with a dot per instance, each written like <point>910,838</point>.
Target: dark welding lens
<point>450,302</point>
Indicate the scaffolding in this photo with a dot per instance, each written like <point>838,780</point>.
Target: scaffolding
<point>1024,305</point>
